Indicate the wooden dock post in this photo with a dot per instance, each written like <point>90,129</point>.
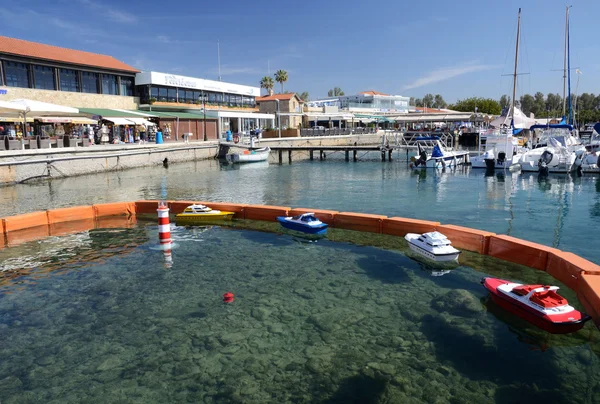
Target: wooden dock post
<point>383,155</point>
<point>311,154</point>
<point>290,156</point>
<point>347,155</point>
<point>280,156</point>
<point>355,154</point>
<point>390,154</point>
<point>320,154</point>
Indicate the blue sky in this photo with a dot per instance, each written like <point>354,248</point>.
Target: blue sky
<point>458,49</point>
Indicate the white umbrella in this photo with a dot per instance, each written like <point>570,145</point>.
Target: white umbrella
<point>39,108</point>
<point>9,108</point>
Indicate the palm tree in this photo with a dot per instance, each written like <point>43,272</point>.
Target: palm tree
<point>304,96</point>
<point>281,77</point>
<point>335,92</point>
<point>267,83</point>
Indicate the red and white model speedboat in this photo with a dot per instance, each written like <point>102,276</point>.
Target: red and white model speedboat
<point>538,304</point>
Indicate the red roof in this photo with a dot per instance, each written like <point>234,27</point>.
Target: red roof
<point>36,50</point>
<point>372,92</point>
<point>280,97</point>
<point>431,110</point>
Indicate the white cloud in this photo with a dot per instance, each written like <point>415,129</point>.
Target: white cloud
<point>111,13</point>
<point>445,73</point>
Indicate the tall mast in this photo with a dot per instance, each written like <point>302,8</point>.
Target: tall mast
<point>219,58</point>
<point>514,93</point>
<point>570,120</point>
<point>564,111</point>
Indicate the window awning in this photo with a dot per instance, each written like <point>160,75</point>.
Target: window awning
<point>68,119</point>
<point>119,121</point>
<point>141,121</point>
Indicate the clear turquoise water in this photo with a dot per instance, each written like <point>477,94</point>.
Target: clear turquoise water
<point>97,317</point>
<point>561,211</point>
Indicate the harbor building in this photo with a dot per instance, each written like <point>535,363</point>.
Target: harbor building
<point>373,101</point>
<point>64,76</point>
<point>288,106</point>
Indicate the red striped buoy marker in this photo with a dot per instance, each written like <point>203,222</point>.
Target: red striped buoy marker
<point>164,232</point>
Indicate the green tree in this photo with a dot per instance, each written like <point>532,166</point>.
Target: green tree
<point>411,101</point>
<point>527,103</point>
<point>418,102</point>
<point>484,105</point>
<point>438,102</point>
<point>335,92</point>
<point>267,83</point>
<point>504,101</point>
<point>304,96</point>
<point>554,104</point>
<point>281,76</point>
<point>428,100</point>
<point>539,104</point>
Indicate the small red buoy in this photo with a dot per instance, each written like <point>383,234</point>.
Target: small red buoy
<point>228,297</point>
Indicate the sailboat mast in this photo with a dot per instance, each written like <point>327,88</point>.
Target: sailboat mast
<point>570,121</point>
<point>564,111</point>
<point>514,93</point>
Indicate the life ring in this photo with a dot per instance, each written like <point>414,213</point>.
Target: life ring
<point>236,138</point>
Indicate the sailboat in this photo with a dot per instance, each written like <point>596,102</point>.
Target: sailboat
<point>501,149</point>
<point>558,147</point>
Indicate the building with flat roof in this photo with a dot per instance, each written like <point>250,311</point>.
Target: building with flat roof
<point>64,76</point>
<point>366,102</point>
<point>289,107</point>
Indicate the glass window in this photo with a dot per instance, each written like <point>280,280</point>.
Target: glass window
<point>219,98</point>
<point>162,94</point>
<point>212,97</point>
<point>17,74</point>
<point>172,95</point>
<point>68,80</point>
<point>189,96</point>
<point>226,99</point>
<point>154,92</point>
<point>89,82</point>
<point>109,84</point>
<point>197,96</point>
<point>127,86</point>
<point>44,77</point>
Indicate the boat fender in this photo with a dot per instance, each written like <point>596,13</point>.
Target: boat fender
<point>227,297</point>
<point>236,138</point>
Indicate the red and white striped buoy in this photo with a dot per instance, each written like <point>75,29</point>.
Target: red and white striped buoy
<point>164,232</point>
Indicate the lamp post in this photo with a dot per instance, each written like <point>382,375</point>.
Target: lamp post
<point>204,110</point>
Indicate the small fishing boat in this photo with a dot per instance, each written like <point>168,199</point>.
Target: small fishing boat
<point>305,223</point>
<point>538,304</point>
<point>199,213</point>
<point>250,156</point>
<point>433,245</point>
<point>432,154</point>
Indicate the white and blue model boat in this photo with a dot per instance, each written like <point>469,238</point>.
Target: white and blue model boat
<point>305,223</point>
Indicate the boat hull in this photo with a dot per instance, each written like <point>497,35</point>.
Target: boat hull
<point>480,162</point>
<point>451,159</point>
<point>434,257</point>
<point>322,229</point>
<point>184,218</point>
<point>251,157</point>
<point>558,326</point>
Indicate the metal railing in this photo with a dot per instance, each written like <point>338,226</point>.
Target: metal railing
<point>308,132</point>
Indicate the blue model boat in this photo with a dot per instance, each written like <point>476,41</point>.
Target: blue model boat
<point>305,223</point>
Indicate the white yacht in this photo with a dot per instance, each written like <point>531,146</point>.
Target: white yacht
<point>555,152</point>
<point>432,154</point>
<point>433,245</point>
<point>498,149</point>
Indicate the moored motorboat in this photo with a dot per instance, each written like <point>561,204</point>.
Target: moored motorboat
<point>433,245</point>
<point>200,213</point>
<point>432,154</point>
<point>538,304</point>
<point>250,156</point>
<point>305,223</point>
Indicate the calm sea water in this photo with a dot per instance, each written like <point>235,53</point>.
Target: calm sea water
<point>98,317</point>
<point>560,211</point>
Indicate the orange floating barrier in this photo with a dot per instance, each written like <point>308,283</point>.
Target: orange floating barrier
<point>114,209</point>
<point>237,208</point>
<point>25,221</point>
<point>70,214</point>
<point>359,221</point>
<point>177,207</point>
<point>146,207</point>
<point>265,212</point>
<point>588,294</point>
<point>400,226</point>
<point>72,226</point>
<point>568,267</point>
<point>24,235</point>
<point>519,251</point>
<point>115,222</point>
<point>326,216</point>
<point>466,238</point>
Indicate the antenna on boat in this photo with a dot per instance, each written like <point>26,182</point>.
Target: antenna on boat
<point>514,94</point>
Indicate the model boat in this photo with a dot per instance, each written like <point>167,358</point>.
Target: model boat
<point>433,245</point>
<point>538,304</point>
<point>199,213</point>
<point>305,223</point>
<point>250,156</point>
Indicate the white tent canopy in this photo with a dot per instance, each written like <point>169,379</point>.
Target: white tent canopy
<point>521,121</point>
<point>8,108</point>
<point>35,108</point>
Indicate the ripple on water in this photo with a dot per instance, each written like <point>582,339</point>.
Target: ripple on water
<point>325,321</point>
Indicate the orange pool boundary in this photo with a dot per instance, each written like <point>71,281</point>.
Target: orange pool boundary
<point>577,273</point>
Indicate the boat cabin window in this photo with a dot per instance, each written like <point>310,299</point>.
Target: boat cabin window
<point>297,217</point>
